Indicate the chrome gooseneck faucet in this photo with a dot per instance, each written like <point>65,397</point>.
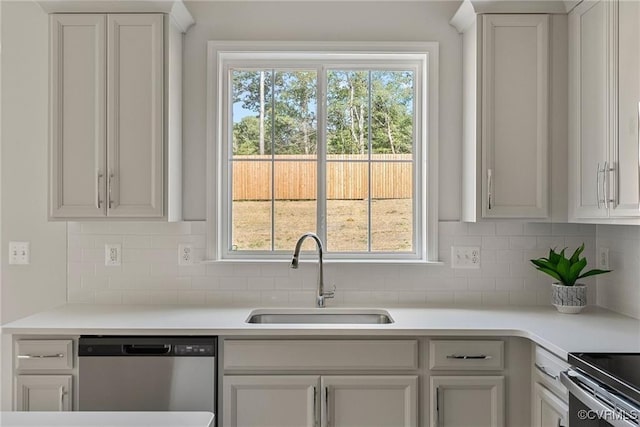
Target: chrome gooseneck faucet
<point>320,294</point>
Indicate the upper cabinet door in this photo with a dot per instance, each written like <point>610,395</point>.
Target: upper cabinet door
<point>515,91</point>
<point>589,108</point>
<point>77,184</point>
<point>624,175</point>
<point>135,112</point>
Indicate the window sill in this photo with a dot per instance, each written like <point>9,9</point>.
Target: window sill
<point>327,261</point>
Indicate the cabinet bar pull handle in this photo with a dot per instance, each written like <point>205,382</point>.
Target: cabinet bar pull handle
<point>605,187</point>
<point>545,372</point>
<point>326,406</point>
<point>598,184</point>
<point>315,406</point>
<point>438,420</point>
<point>98,201</point>
<point>110,188</point>
<point>62,393</point>
<point>40,356</point>
<point>467,356</point>
<point>489,184</point>
<point>638,154</point>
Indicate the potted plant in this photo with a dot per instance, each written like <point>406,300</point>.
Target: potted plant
<point>567,295</point>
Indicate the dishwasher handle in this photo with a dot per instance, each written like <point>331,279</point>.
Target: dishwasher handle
<point>146,349</point>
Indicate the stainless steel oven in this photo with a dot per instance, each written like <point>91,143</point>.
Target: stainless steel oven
<point>604,389</point>
<point>147,373</point>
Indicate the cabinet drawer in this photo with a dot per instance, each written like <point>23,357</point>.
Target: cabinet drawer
<point>547,368</point>
<point>44,354</point>
<point>466,355</point>
<point>304,355</point>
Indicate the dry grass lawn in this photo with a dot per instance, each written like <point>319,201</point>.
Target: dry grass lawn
<point>347,220</point>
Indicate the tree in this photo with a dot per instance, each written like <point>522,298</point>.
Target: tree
<point>245,134</point>
<point>347,112</point>
<point>392,115</point>
<point>285,107</point>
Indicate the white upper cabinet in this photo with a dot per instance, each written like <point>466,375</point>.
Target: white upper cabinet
<point>604,111</point>
<point>135,63</point>
<point>505,115</point>
<point>116,93</point>
<point>624,179</point>
<point>78,116</point>
<point>515,75</point>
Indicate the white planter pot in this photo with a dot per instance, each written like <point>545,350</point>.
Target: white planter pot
<point>569,299</point>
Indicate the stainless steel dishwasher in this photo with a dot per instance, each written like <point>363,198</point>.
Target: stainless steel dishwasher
<point>147,373</point>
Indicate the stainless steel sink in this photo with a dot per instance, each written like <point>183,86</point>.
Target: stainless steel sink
<point>321,316</point>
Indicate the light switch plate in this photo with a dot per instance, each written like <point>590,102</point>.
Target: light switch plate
<point>19,253</point>
<point>112,254</point>
<point>465,257</point>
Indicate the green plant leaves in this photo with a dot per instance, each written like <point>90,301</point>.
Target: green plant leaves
<point>576,255</point>
<point>566,271</point>
<point>593,273</point>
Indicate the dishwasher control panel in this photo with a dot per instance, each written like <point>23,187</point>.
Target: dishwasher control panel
<point>194,350</point>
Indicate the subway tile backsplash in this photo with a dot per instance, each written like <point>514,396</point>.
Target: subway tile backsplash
<point>620,289</point>
<point>150,274</point>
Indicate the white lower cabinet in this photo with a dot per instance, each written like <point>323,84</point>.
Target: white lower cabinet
<point>467,401</point>
<point>43,374</point>
<point>279,400</point>
<point>548,409</point>
<point>43,392</point>
<point>301,400</point>
<point>372,401</point>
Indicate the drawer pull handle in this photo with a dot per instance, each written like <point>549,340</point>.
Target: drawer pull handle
<point>41,356</point>
<point>545,372</point>
<point>469,357</point>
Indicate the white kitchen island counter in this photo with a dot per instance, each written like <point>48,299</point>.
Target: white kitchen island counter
<point>594,330</point>
<point>106,419</point>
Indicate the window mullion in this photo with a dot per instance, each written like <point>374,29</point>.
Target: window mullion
<point>321,149</point>
<point>369,146</point>
<point>273,163</point>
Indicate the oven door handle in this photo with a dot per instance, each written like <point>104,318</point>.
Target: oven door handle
<point>590,401</point>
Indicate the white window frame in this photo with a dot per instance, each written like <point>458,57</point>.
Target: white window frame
<point>222,55</point>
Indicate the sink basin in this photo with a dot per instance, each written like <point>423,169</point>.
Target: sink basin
<point>321,316</point>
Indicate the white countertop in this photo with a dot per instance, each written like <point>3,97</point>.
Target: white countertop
<point>594,330</point>
<point>106,419</point>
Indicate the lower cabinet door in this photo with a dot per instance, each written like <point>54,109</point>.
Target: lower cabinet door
<point>270,401</point>
<point>43,392</point>
<point>548,409</point>
<point>467,401</point>
<point>372,401</point>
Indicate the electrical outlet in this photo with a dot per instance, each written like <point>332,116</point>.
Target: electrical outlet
<point>603,258</point>
<point>185,254</point>
<point>19,253</point>
<point>112,254</point>
<point>465,257</point>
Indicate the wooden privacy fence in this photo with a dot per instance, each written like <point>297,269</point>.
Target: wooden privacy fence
<point>295,177</point>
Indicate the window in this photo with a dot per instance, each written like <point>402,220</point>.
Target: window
<point>338,140</point>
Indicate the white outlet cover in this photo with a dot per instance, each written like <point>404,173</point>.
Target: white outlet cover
<point>465,257</point>
<point>185,254</point>
<point>112,254</point>
<point>603,258</point>
<point>19,253</point>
